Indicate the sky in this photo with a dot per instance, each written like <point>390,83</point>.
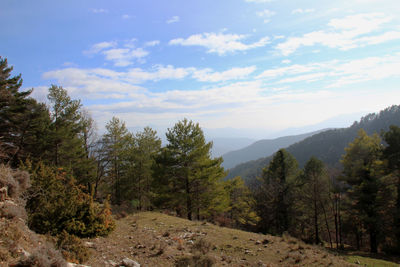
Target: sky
<point>261,66</point>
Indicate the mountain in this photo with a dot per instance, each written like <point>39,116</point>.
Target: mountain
<point>328,146</point>
<point>260,149</point>
<point>224,145</point>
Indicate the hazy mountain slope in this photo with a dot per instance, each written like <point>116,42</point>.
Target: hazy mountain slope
<point>261,148</point>
<point>327,146</point>
<point>224,145</point>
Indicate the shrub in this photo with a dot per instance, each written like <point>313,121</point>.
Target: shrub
<point>16,181</point>
<point>56,203</point>
<point>45,256</point>
<point>199,257</point>
<point>72,248</point>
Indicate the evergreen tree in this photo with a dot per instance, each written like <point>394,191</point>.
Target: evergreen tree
<point>117,142</point>
<point>362,168</point>
<point>275,195</point>
<point>192,173</point>
<point>23,122</point>
<point>314,195</point>
<point>146,146</point>
<point>241,204</point>
<point>67,135</point>
<point>392,154</point>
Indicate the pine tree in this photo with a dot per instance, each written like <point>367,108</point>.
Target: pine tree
<point>117,142</point>
<point>67,136</point>
<point>362,168</point>
<point>146,146</point>
<point>23,122</point>
<point>241,203</point>
<point>314,196</point>
<point>192,174</point>
<point>275,195</point>
<point>392,154</point>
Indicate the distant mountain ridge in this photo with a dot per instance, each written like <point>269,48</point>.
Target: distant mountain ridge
<point>328,146</point>
<point>261,148</point>
<point>223,145</point>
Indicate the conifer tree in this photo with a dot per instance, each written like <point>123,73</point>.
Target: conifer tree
<point>23,122</point>
<point>142,156</point>
<point>392,154</point>
<point>117,142</point>
<point>192,174</point>
<point>362,168</point>
<point>241,203</point>
<point>275,195</point>
<point>313,196</point>
<point>66,137</point>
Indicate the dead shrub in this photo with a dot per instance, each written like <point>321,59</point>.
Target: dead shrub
<point>201,246</point>
<point>10,210</point>
<point>45,256</point>
<point>16,181</point>
<point>195,261</point>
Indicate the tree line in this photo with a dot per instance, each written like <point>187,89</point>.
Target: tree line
<point>358,205</point>
<point>73,169</point>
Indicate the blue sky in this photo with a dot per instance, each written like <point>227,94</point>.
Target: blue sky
<point>260,65</point>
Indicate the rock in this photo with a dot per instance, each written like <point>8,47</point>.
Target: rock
<point>129,263</point>
<point>112,263</point>
<point>69,264</point>
<point>265,241</point>
<point>258,242</point>
<point>89,244</point>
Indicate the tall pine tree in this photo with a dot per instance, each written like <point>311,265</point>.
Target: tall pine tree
<point>192,173</point>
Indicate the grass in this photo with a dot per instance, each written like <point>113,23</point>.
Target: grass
<point>155,239</point>
<point>370,262</point>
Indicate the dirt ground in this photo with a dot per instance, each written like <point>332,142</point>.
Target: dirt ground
<point>155,239</point>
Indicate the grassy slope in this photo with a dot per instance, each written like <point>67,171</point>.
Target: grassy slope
<point>155,239</point>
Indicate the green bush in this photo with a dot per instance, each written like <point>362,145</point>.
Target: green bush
<point>56,204</point>
<point>72,248</point>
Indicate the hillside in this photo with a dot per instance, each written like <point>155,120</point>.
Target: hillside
<point>261,148</point>
<point>154,239</point>
<point>328,146</point>
<point>225,145</point>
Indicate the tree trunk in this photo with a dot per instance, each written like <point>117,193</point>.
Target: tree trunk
<point>373,239</point>
<point>397,215</point>
<point>327,224</point>
<point>316,222</point>
<point>188,200</point>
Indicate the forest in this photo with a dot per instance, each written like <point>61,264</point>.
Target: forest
<point>79,177</point>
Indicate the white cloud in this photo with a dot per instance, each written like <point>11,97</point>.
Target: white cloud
<point>152,43</point>
<point>286,61</point>
<point>123,57</point>
<point>174,19</point>
<point>290,70</point>
<point>266,13</point>
<point>345,33</point>
<point>96,48</point>
<point>219,43</point>
<point>99,10</point>
<point>301,11</point>
<point>231,103</point>
<point>126,16</point>
<point>207,75</point>
<point>336,74</point>
<point>120,56</point>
